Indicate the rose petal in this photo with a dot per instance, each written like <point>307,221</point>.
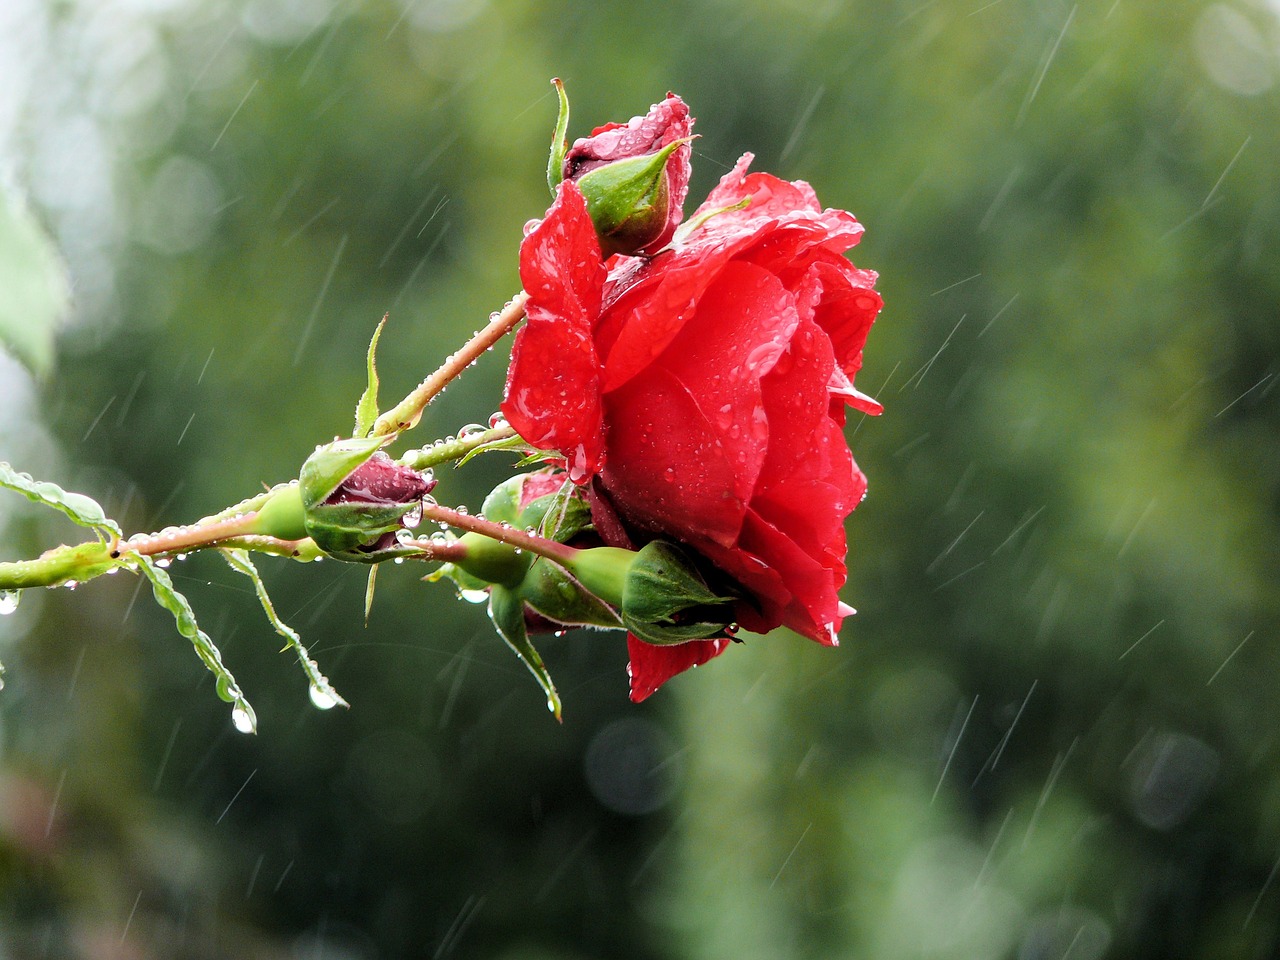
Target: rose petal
<point>666,469</point>
<point>651,666</point>
<point>741,327</point>
<point>552,395</point>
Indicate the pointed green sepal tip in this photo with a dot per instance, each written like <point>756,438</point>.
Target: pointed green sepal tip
<point>629,201</point>
<point>506,609</point>
<point>559,146</point>
<point>367,406</point>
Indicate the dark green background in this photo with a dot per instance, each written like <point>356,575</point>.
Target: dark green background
<point>1051,730</point>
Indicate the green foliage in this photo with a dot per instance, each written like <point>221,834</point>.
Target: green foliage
<point>34,281</point>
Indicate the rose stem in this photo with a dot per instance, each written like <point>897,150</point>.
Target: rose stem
<point>406,413</point>
<point>195,537</point>
<point>454,449</point>
<point>557,552</point>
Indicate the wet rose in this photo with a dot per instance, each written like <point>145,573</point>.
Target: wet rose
<point>702,393</point>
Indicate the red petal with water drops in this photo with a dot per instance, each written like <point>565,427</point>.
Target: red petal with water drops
<point>651,666</point>
<point>553,386</point>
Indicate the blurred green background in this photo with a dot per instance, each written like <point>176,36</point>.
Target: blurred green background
<point>1051,730</point>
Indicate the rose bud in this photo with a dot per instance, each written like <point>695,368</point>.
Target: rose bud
<point>351,499</point>
<point>634,176</point>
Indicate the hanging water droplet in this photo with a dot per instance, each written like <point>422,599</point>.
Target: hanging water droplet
<point>163,563</point>
<point>413,517</point>
<point>462,509</point>
<point>551,704</point>
<point>9,601</point>
<point>323,698</point>
<point>243,718</point>
<point>71,584</point>
<point>497,420</point>
<point>474,596</point>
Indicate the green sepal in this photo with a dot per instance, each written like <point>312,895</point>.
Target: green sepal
<point>559,597</point>
<point>665,600</point>
<point>339,529</point>
<point>689,226</point>
<point>559,145</point>
<point>461,579</point>
<point>367,407</point>
<point>324,471</point>
<point>506,610</point>
<point>628,199</point>
<point>369,587</point>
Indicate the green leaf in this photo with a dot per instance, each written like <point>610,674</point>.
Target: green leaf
<point>242,714</point>
<point>34,281</point>
<point>322,693</point>
<point>506,610</point>
<point>78,508</point>
<point>367,408</point>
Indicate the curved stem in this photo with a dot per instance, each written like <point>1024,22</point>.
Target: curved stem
<point>407,412</point>
<point>557,552</point>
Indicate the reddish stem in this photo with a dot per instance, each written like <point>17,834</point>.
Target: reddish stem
<point>405,414</point>
<point>558,552</point>
<point>190,538</point>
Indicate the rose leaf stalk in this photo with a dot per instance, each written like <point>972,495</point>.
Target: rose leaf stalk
<point>406,414</point>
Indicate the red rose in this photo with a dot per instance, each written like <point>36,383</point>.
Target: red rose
<point>704,390</point>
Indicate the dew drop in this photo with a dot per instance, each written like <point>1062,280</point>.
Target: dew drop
<point>474,596</point>
<point>71,584</point>
<point>669,474</point>
<point>9,601</point>
<point>551,704</point>
<point>323,698</point>
<point>243,718</point>
<point>413,517</point>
